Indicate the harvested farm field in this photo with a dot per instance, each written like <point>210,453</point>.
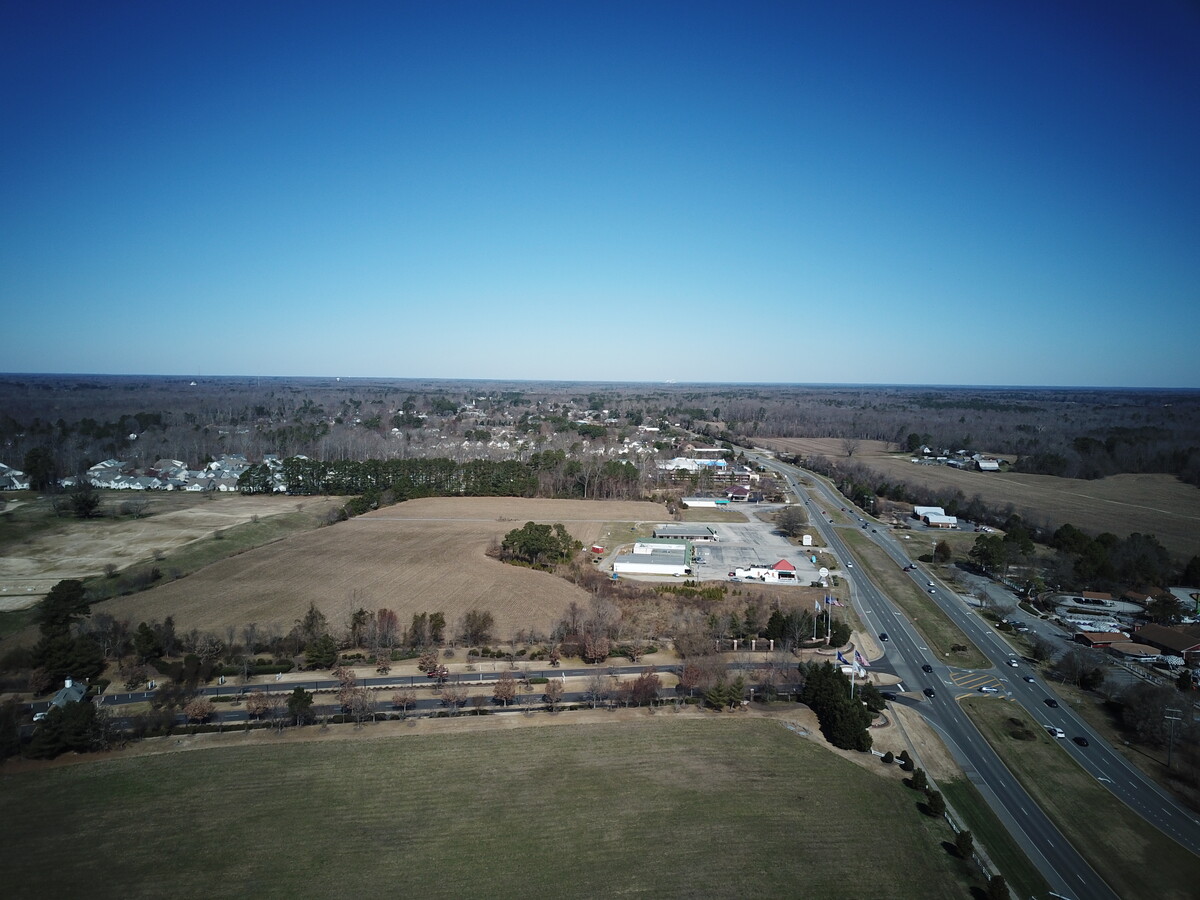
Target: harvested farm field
<point>1160,505</point>
<point>37,549</point>
<point>421,556</point>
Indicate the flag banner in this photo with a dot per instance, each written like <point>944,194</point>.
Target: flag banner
<point>834,601</point>
<point>858,658</point>
<point>842,659</point>
<point>860,671</point>
<point>818,605</point>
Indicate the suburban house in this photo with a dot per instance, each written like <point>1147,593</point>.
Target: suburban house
<point>71,692</point>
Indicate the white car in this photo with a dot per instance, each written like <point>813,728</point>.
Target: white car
<point>988,690</point>
<point>1013,663</point>
<point>1055,732</point>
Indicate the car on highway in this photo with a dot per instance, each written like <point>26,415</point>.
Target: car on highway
<point>1051,702</point>
<point>929,692</point>
<point>849,565</point>
<point>930,583</point>
<point>1013,663</point>
<point>883,636</point>
<point>1080,740</point>
<point>933,590</point>
<point>888,695</point>
<point>927,668</point>
<point>909,567</point>
<point>1031,679</point>
<point>1055,732</point>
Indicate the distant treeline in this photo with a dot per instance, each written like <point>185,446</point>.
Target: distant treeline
<point>382,482</point>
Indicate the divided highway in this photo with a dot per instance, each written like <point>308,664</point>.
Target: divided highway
<point>1067,872</point>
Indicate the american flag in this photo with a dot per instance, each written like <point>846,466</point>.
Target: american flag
<point>833,601</point>
<point>858,658</point>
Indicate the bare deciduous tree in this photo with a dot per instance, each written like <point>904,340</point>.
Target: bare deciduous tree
<point>506,688</point>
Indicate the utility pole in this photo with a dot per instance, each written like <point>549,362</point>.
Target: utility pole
<point>1167,715</point>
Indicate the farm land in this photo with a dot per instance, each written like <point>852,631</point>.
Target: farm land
<point>420,556</point>
<point>39,549</point>
<point>1160,505</point>
<point>670,805</point>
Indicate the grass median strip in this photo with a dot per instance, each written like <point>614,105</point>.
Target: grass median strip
<point>926,616</point>
<point>1135,858</point>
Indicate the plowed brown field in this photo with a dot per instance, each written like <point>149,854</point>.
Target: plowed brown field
<point>421,556</point>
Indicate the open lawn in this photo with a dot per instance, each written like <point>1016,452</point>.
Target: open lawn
<point>1136,859</point>
<point>662,806</point>
<point>421,556</point>
<point>1161,505</point>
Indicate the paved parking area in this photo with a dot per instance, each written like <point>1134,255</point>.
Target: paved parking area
<point>753,543</point>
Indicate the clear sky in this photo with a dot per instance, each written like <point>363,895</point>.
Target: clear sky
<point>1000,192</point>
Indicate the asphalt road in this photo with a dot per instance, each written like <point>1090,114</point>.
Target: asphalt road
<point>1060,864</point>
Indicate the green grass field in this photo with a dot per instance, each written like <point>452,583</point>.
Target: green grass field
<point>1136,859</point>
<point>660,807</point>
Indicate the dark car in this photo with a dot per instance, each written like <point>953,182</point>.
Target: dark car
<point>1030,679</point>
<point>927,668</point>
<point>1081,740</point>
<point>888,695</point>
<point>929,692</point>
<point>883,636</point>
<point>1051,702</point>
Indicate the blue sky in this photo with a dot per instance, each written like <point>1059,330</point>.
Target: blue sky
<point>970,193</point>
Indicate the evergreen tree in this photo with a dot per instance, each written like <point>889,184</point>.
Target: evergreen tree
<point>321,653</point>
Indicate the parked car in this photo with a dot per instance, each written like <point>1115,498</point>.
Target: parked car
<point>988,689</point>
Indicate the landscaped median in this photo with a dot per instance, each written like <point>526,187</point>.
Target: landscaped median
<point>942,635</point>
<point>1134,857</point>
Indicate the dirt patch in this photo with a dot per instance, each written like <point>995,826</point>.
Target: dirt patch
<point>924,745</point>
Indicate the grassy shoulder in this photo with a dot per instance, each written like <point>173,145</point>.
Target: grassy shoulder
<point>926,616</point>
<point>1136,859</point>
<point>989,831</point>
<point>663,806</point>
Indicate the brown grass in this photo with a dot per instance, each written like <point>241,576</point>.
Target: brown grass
<point>42,550</point>
<point>1122,504</point>
<point>424,555</point>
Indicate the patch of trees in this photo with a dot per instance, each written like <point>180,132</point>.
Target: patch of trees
<point>1107,560</point>
<point>843,719</point>
<point>792,520</point>
<point>62,652</point>
<point>538,545</point>
<point>71,728</point>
